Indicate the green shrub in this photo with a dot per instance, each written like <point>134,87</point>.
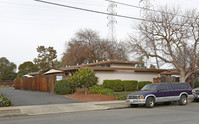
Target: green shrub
<point>115,85</point>
<point>121,95</point>
<point>130,85</point>
<point>4,101</point>
<point>100,90</point>
<point>196,84</point>
<point>143,83</point>
<point>84,78</point>
<point>63,87</point>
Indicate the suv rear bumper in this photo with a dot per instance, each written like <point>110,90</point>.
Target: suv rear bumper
<point>136,101</point>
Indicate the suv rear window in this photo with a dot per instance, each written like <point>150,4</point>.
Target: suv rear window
<point>180,86</point>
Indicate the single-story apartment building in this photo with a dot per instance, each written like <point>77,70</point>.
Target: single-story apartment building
<point>110,70</point>
<point>104,70</point>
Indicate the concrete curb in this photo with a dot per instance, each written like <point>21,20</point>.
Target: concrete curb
<point>61,108</point>
<point>114,105</point>
<point>10,111</point>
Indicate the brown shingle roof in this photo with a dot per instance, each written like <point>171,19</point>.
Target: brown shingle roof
<point>113,69</point>
<point>110,62</point>
<point>33,73</point>
<point>73,68</point>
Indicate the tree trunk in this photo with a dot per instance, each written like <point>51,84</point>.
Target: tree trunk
<point>86,91</point>
<point>182,77</point>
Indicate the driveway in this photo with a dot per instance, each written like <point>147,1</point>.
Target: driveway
<point>26,98</point>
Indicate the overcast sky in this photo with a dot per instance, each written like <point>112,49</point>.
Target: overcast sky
<point>26,24</point>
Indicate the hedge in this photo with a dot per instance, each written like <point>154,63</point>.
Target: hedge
<point>196,84</point>
<point>141,84</point>
<point>115,85</point>
<point>121,95</point>
<point>63,87</point>
<point>99,89</point>
<point>130,85</point>
<point>4,101</point>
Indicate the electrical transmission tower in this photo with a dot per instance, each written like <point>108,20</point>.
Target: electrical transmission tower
<point>111,21</point>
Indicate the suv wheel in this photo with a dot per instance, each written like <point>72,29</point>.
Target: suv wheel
<point>150,102</point>
<point>183,100</point>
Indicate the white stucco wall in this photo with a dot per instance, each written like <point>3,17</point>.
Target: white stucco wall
<point>125,75</point>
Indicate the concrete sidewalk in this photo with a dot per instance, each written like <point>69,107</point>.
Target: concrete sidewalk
<point>60,108</point>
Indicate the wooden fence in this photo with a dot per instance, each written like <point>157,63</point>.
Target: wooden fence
<point>40,83</point>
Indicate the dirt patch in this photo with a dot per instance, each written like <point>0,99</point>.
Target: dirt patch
<point>90,97</point>
<point>5,86</point>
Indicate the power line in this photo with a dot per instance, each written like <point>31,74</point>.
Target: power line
<point>138,7</point>
<point>99,12</point>
<point>22,5</point>
<point>94,11</point>
<point>86,3</point>
<point>18,4</point>
<point>130,5</point>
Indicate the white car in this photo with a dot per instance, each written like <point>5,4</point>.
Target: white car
<point>196,93</point>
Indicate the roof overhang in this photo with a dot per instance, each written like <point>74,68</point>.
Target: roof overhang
<point>33,73</point>
<point>170,73</point>
<point>27,75</point>
<point>109,62</point>
<point>52,71</point>
<point>113,69</point>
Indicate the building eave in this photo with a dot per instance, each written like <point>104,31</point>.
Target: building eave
<point>113,69</point>
<point>109,62</point>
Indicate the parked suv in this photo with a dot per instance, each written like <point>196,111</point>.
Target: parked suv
<point>161,92</point>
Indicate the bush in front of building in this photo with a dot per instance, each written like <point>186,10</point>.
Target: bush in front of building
<point>120,95</point>
<point>99,89</point>
<point>130,85</point>
<point>63,87</point>
<point>115,85</point>
<point>141,84</point>
<point>5,101</point>
<point>84,78</point>
<point>196,84</point>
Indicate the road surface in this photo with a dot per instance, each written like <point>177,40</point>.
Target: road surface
<point>172,114</point>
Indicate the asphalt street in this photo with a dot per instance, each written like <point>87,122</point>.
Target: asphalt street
<point>26,98</point>
<point>172,114</point>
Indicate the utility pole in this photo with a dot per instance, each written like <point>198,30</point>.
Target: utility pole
<point>111,21</point>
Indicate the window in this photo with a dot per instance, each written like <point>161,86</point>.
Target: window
<point>180,86</point>
<point>162,87</point>
<point>149,87</point>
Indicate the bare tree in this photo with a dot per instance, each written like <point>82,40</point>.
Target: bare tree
<point>170,37</point>
<point>87,46</point>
